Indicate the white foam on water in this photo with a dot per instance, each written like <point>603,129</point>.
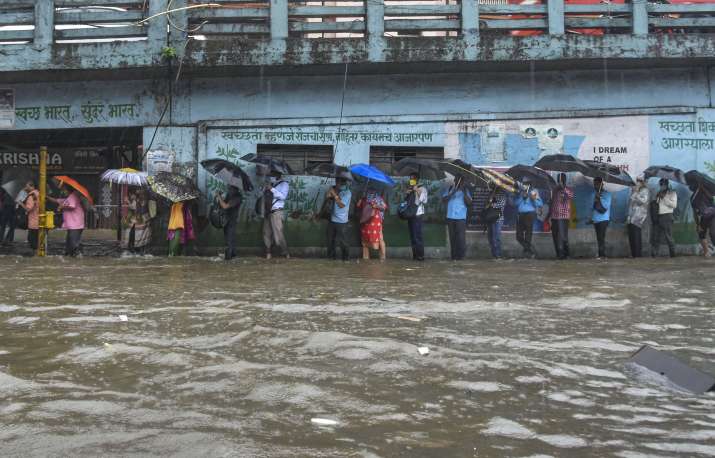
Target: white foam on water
<point>682,447</point>
<point>582,303</point>
<point>12,385</point>
<point>591,371</point>
<point>687,300</point>
<point>694,291</point>
<point>563,440</point>
<point>527,379</point>
<point>22,319</point>
<point>503,427</point>
<point>563,397</point>
<point>484,387</point>
<point>659,327</point>
<point>82,406</point>
<point>7,308</point>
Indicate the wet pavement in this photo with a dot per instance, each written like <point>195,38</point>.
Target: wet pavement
<point>526,358</point>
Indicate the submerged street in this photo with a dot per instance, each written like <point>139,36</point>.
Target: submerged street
<point>525,358</point>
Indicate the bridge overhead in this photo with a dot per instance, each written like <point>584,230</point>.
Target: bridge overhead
<point>136,34</point>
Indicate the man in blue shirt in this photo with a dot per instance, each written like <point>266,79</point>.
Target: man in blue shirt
<point>458,199</point>
<point>601,214</point>
<point>337,226</point>
<point>527,201</point>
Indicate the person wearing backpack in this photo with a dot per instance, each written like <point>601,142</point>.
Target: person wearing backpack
<point>275,195</point>
<point>339,197</point>
<point>493,218</point>
<point>413,210</point>
<point>560,217</point>
<point>667,200</point>
<point>230,205</point>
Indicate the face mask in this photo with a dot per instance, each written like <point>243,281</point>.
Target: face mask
<point>413,182</point>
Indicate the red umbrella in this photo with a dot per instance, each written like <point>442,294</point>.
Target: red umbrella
<point>71,182</point>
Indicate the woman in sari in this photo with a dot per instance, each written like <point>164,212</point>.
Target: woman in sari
<point>372,210</point>
<point>181,227</point>
<point>136,224</point>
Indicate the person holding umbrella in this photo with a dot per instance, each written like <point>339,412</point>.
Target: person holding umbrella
<point>527,202</point>
<point>561,216</point>
<point>704,215</point>
<point>31,204</point>
<point>340,197</point>
<point>275,195</point>
<point>73,212</point>
<point>372,215</point>
<point>601,215</point>
<point>230,205</point>
<point>417,194</point>
<point>637,215</point>
<point>458,199</point>
<point>493,216</point>
<point>667,201</point>
<point>7,217</point>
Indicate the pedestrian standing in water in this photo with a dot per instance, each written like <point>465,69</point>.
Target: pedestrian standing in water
<point>7,218</point>
<point>458,199</point>
<point>275,195</point>
<point>180,230</point>
<point>493,218</point>
<point>601,215</point>
<point>72,219</point>
<point>667,200</point>
<point>527,203</point>
<point>372,216</point>
<point>414,224</point>
<point>31,204</point>
<point>704,216</point>
<point>231,206</point>
<point>561,217</point>
<point>340,195</point>
<point>637,215</point>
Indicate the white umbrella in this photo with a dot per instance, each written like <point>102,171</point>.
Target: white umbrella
<point>126,176</point>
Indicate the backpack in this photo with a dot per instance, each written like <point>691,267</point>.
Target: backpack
<point>490,215</point>
<point>217,216</point>
<point>408,208</point>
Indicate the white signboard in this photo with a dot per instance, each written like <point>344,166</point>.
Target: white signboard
<point>159,160</point>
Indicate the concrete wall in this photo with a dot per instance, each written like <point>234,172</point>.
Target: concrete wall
<point>633,118</point>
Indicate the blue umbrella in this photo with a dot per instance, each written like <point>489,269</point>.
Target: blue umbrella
<point>370,173</point>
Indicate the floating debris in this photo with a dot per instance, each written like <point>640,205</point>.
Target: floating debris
<point>324,422</point>
<point>423,350</point>
<point>123,318</point>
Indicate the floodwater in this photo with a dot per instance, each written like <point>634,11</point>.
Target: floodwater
<point>526,358</point>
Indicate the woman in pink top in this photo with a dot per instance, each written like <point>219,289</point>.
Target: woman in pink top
<point>72,219</point>
<point>31,204</point>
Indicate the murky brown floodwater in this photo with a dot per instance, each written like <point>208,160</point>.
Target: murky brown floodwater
<point>526,358</point>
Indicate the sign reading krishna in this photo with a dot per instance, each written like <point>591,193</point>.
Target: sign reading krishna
<point>69,161</point>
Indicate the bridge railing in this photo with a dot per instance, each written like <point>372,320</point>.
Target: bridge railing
<point>44,22</point>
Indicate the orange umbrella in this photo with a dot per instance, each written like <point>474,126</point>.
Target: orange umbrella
<point>63,179</point>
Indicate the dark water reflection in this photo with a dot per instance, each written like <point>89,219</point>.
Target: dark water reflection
<point>526,358</point>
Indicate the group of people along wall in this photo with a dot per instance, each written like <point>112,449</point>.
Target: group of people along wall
<point>630,142</point>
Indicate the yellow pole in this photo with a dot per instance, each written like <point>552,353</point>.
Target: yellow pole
<point>42,233</point>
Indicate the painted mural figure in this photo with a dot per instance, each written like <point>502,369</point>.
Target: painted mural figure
<point>31,204</point>
<point>527,202</point>
<point>637,215</point>
<point>704,214</point>
<point>561,216</point>
<point>414,224</point>
<point>601,215</point>
<point>458,199</point>
<point>340,195</point>
<point>72,219</point>
<point>493,216</point>
<point>372,215</point>
<point>667,200</point>
<point>231,206</point>
<point>276,192</point>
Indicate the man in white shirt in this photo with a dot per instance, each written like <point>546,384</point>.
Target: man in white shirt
<point>275,195</point>
<point>667,202</point>
<point>415,224</point>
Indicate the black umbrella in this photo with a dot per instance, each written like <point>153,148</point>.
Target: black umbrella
<point>267,164</point>
<point>174,187</point>
<point>609,173</point>
<point>329,170</point>
<point>561,163</point>
<point>537,177</point>
<point>664,171</point>
<point>229,173</point>
<point>696,179</point>
<point>15,179</point>
<point>459,168</point>
<point>426,169</point>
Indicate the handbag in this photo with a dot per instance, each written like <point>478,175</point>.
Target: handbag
<point>408,208</point>
<point>366,213</point>
<point>21,218</point>
<point>490,215</point>
<point>326,210</point>
<point>217,216</point>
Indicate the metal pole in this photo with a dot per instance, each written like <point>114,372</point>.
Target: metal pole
<point>42,233</point>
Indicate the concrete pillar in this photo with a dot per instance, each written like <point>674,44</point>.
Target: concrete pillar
<point>556,17</point>
<point>470,28</point>
<point>180,19</point>
<point>375,25</point>
<point>640,17</point>
<point>157,27</point>
<point>279,19</point>
<point>44,24</point>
